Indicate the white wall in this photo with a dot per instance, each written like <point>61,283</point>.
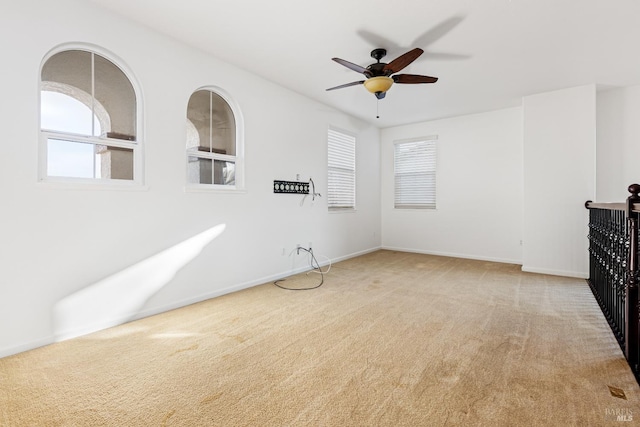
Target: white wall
<point>617,147</point>
<point>497,183</point>
<point>56,242</point>
<point>559,176</point>
<point>515,175</point>
<point>478,184</point>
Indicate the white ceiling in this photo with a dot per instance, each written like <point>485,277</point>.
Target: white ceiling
<point>488,54</point>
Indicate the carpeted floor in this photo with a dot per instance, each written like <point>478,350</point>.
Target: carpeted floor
<point>390,339</point>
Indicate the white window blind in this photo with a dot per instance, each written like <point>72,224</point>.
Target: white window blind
<point>415,174</point>
<point>341,170</point>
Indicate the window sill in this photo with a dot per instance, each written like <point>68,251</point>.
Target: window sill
<point>339,211</point>
<point>415,209</point>
<point>213,189</point>
<point>92,185</point>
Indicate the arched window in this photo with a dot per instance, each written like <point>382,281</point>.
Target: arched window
<point>88,119</point>
<point>214,141</point>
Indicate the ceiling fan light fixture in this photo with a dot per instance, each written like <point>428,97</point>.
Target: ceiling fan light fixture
<point>378,84</point>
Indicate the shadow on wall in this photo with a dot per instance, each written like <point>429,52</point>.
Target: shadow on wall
<point>118,298</point>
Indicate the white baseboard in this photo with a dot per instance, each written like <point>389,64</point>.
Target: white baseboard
<point>10,351</point>
<point>84,330</point>
<point>203,297</point>
<point>355,254</point>
<point>455,255</point>
<point>564,273</point>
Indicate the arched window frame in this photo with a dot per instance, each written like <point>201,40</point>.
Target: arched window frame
<point>239,142</point>
<point>136,146</point>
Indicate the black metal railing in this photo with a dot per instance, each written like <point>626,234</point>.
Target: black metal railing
<point>608,252</point>
<point>613,269</point>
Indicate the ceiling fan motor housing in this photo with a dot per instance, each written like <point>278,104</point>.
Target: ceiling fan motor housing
<point>378,54</point>
<point>377,69</point>
<point>381,76</point>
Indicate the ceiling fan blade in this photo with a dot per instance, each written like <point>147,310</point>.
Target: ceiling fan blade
<point>432,35</point>
<point>413,78</point>
<point>347,85</point>
<point>379,41</point>
<point>402,61</point>
<point>446,56</point>
<point>352,66</point>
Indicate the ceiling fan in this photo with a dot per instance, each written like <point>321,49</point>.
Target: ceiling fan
<point>380,75</point>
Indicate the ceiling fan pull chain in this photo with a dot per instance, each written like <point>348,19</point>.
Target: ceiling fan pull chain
<point>377,108</point>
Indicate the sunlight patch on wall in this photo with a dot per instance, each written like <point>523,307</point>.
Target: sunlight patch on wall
<point>118,298</point>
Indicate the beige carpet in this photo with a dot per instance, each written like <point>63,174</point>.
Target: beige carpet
<point>390,339</point>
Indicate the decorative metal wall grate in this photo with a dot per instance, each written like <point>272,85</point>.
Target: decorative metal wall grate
<point>291,187</point>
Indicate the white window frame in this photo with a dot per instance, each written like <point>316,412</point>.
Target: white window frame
<point>346,166</point>
<point>238,159</point>
<point>421,176</point>
<point>136,146</point>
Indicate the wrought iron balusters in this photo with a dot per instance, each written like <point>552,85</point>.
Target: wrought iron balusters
<point>614,255</point>
<point>608,249</point>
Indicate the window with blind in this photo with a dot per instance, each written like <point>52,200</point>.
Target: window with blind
<point>415,173</point>
<point>341,164</point>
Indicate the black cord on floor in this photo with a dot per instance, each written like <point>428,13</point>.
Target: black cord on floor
<point>315,267</point>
